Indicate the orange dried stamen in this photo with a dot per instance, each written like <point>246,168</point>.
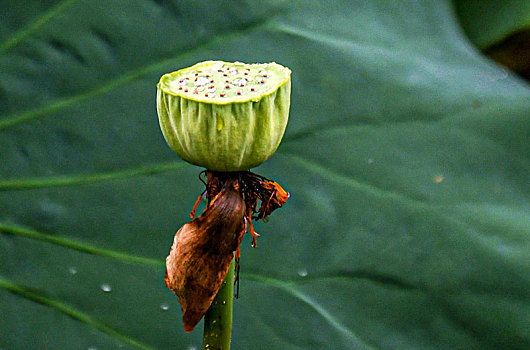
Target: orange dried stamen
<point>253,233</point>
<point>192,214</point>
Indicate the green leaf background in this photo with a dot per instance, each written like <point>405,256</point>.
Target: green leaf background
<point>406,155</point>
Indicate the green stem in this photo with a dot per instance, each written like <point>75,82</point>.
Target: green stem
<point>218,318</point>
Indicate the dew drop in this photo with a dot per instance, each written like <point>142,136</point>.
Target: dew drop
<point>106,288</point>
<point>220,123</point>
<point>164,307</point>
<point>224,302</point>
<point>92,348</point>
<point>192,347</point>
<point>72,270</point>
<point>302,272</point>
<point>370,161</point>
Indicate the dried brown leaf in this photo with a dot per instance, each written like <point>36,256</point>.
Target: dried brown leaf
<point>202,251</point>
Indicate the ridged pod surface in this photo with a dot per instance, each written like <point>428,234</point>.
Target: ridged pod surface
<point>225,116</point>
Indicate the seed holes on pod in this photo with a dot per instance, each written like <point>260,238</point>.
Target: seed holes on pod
<point>201,81</point>
<point>240,82</point>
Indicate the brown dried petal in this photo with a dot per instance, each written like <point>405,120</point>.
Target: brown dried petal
<point>202,251</point>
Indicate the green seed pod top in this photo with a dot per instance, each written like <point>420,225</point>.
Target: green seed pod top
<point>225,116</point>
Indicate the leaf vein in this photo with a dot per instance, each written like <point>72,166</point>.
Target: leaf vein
<point>289,288</point>
<point>35,25</point>
<point>71,180</point>
<point>79,246</point>
<point>66,309</point>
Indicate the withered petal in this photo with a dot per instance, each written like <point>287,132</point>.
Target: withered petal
<point>202,251</point>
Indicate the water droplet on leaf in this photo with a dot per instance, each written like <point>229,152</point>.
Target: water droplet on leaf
<point>302,272</point>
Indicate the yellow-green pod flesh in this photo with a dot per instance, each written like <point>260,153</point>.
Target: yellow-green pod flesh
<point>225,116</point>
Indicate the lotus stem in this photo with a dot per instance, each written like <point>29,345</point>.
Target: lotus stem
<point>218,319</point>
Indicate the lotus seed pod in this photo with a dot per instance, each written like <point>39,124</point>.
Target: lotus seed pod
<point>225,116</point>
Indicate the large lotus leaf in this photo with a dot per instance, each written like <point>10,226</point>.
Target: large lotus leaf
<point>406,155</point>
